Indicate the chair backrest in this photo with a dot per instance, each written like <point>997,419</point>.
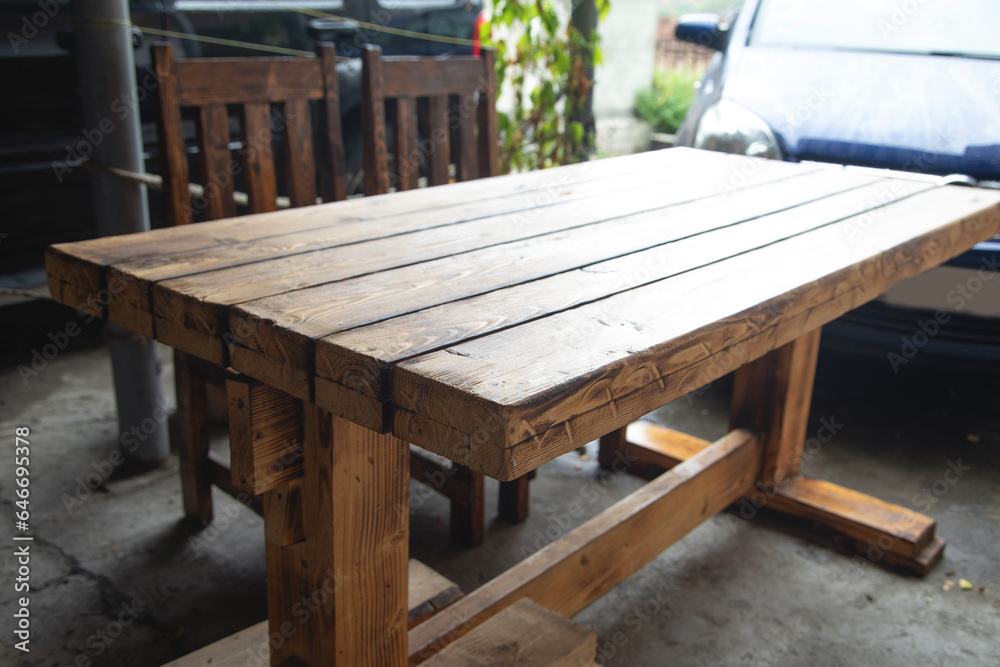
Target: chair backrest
<point>441,109</point>
<point>252,87</point>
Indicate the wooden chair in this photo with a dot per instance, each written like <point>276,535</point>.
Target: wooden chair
<point>441,111</point>
<point>252,104</point>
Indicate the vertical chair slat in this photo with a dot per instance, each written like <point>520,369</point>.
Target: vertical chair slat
<point>468,154</point>
<point>440,139</point>
<point>216,172</point>
<point>258,157</point>
<point>174,159</point>
<point>299,157</point>
<point>407,151</point>
<point>376,157</point>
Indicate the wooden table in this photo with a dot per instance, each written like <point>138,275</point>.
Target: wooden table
<point>504,322</point>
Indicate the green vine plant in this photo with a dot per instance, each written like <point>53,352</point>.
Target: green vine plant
<point>548,65</point>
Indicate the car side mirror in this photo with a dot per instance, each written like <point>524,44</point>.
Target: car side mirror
<point>703,30</point>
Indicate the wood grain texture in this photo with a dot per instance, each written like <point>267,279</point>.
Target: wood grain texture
<point>258,157</point>
<point>407,150</point>
<point>177,201</point>
<point>300,157</point>
<point>192,440</point>
<point>570,573</point>
<point>435,115</point>
<point>237,80</point>
<point>439,265</point>
<point>216,163</point>
<point>629,346</point>
<point>524,634</point>
<point>374,141</point>
<point>772,395</point>
<point>352,562</point>
<point>644,247</point>
<point>82,265</point>
<point>265,435</point>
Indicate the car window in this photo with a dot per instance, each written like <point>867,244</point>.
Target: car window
<point>944,27</point>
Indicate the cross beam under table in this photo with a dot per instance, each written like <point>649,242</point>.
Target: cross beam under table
<point>337,537</point>
<point>772,395</point>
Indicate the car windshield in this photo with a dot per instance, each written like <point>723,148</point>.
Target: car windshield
<point>939,27</point>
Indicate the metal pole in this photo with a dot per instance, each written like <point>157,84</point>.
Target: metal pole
<point>102,45</point>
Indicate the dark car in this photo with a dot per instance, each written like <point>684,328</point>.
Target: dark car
<point>911,86</point>
<point>40,120</point>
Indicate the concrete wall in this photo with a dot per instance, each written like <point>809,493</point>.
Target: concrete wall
<point>628,39</point>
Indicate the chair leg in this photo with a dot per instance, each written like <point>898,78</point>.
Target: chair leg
<point>193,440</point>
<point>468,508</point>
<point>611,447</point>
<point>514,501</point>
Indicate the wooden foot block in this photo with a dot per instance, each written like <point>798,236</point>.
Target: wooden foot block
<point>429,592</point>
<point>888,527</point>
<point>893,534</point>
<point>525,633</point>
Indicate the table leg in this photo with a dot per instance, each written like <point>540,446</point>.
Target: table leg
<point>772,395</point>
<point>337,549</point>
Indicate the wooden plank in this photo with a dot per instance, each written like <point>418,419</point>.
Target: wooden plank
<point>354,548</point>
<point>265,435</point>
<point>216,160</point>
<point>525,633</point>
<point>661,446</point>
<point>238,80</point>
<point>855,514</point>
<point>468,153</point>
<point>300,157</point>
<point>772,395</point>
<point>192,440</point>
<point>258,156</point>
<point>629,343</point>
<point>435,115</point>
<point>83,263</point>
<point>407,150</point>
<point>177,201</point>
<point>489,148</point>
<point>429,592</point>
<point>283,514</point>
<point>896,530</point>
<point>572,572</point>
<point>282,327</point>
<point>430,77</point>
<point>332,163</point>
<point>376,152</point>
<point>677,240</point>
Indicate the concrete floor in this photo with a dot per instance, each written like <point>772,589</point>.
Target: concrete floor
<point>118,579</point>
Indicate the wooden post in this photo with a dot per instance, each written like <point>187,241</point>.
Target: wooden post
<point>772,395</point>
<point>338,595</point>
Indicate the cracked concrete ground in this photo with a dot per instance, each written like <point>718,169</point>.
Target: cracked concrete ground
<point>118,579</point>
